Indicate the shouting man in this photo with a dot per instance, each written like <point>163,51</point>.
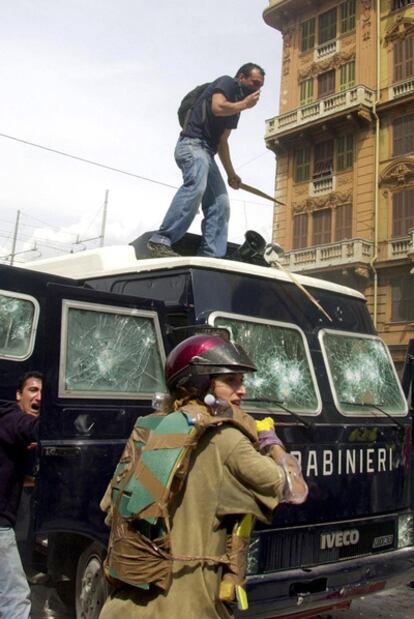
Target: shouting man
<point>19,426</point>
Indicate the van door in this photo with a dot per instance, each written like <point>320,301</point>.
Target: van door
<point>104,358</point>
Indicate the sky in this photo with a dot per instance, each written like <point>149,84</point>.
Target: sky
<point>102,81</point>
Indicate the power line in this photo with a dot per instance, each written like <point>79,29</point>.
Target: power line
<point>26,237</point>
<point>95,163</point>
<point>107,167</point>
<point>45,223</point>
<point>251,160</point>
<point>50,246</point>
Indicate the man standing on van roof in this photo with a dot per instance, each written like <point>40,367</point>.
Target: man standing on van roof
<point>206,132</point>
<point>19,426</point>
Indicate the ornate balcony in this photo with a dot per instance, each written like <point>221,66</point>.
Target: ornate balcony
<point>403,247</point>
<point>401,89</point>
<point>327,49</point>
<point>353,251</point>
<point>319,186</point>
<point>345,101</point>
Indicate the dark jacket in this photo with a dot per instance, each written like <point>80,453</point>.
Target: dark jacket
<point>17,431</point>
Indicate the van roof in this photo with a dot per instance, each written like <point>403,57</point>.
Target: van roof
<point>117,260</point>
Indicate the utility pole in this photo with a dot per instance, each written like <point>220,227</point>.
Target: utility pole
<point>101,237</point>
<point>103,226</point>
<point>16,229</point>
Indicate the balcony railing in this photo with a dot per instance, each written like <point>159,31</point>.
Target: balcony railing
<point>322,185</point>
<point>401,247</point>
<point>401,89</point>
<point>326,49</point>
<point>333,254</point>
<point>351,98</point>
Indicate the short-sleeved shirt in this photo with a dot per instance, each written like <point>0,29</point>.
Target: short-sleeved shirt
<point>202,123</point>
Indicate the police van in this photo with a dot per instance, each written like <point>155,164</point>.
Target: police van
<point>99,324</point>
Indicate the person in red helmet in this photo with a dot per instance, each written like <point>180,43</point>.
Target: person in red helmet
<point>228,477</point>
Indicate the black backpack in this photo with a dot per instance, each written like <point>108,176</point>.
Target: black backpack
<point>188,103</point>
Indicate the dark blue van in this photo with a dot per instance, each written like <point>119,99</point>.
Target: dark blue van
<point>99,324</point>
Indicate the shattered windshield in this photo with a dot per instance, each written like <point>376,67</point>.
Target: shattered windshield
<point>284,373</point>
<point>111,353</point>
<point>17,326</point>
<point>361,372</point>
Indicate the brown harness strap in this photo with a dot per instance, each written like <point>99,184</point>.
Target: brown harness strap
<point>150,482</point>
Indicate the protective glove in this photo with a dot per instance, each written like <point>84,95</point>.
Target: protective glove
<point>296,489</point>
<point>267,434</point>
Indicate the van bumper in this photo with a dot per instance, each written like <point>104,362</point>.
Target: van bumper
<point>293,593</point>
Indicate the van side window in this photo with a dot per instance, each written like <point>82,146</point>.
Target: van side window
<point>110,352</point>
<point>361,374</point>
<point>284,369</point>
<point>18,321</point>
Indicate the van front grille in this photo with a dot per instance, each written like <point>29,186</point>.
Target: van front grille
<point>316,545</point>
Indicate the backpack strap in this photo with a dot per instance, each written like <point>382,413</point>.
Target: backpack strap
<point>203,419</point>
<point>202,88</point>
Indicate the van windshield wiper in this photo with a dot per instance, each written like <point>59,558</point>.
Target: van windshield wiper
<point>366,405</point>
<point>304,422</point>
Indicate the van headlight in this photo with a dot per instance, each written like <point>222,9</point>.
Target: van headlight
<point>405,530</point>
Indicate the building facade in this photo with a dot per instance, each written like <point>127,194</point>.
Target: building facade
<point>344,142</point>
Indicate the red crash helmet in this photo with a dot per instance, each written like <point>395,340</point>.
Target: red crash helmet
<point>194,360</point>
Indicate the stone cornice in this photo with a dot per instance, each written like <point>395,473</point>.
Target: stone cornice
<point>399,30</point>
<point>332,200</point>
<point>334,62</point>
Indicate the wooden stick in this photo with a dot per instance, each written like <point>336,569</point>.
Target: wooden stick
<point>308,294</point>
<point>259,193</point>
<point>272,257</point>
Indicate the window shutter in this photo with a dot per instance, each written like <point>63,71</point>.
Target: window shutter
<point>344,152</point>
<point>408,48</point>
<point>308,35</point>
<point>300,231</point>
<point>347,75</point>
<point>398,136</point>
<point>302,164</point>
<point>306,92</point>
<point>343,222</point>
<point>398,53</point>
<point>326,83</point>
<point>403,59</point>
<point>323,158</point>
<point>402,212</point>
<point>327,26</point>
<point>322,227</point>
<point>347,16</point>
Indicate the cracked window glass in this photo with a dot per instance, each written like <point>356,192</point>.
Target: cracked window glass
<point>283,371</point>
<point>362,373</point>
<point>16,327</point>
<point>112,353</point>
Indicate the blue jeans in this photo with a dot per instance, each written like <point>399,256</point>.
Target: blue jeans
<point>14,589</point>
<point>203,184</point>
